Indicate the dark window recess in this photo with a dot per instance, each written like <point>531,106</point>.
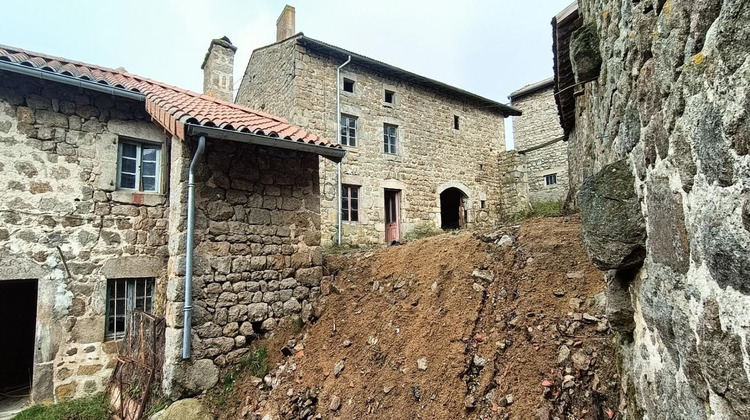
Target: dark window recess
<point>550,179</point>
<point>350,203</point>
<point>123,297</point>
<point>389,96</point>
<point>389,138</point>
<point>348,85</point>
<point>481,203</point>
<point>455,122</point>
<point>348,131</point>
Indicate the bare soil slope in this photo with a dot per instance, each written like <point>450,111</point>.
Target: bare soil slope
<point>454,326</point>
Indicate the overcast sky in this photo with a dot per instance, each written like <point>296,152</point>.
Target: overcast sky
<point>487,47</point>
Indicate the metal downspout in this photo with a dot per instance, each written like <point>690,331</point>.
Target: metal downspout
<point>338,137</point>
<point>188,308</point>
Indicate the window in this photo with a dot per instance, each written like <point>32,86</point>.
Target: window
<point>389,138</point>
<point>139,166</point>
<point>348,85</point>
<point>350,203</point>
<point>348,130</point>
<point>550,179</point>
<point>389,96</point>
<point>455,122</point>
<point>481,203</point>
<point>123,297</point>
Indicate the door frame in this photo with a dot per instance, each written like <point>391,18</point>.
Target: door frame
<point>397,194</point>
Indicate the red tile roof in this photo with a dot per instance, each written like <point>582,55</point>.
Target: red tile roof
<point>171,106</point>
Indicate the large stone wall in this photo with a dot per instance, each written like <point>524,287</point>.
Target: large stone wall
<point>63,224</point>
<point>257,258</point>
<point>672,99</point>
<point>432,155</point>
<point>532,132</point>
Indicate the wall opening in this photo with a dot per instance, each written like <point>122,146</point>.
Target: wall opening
<point>452,209</point>
<point>18,312</point>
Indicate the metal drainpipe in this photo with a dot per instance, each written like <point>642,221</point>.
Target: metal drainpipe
<point>188,308</point>
<point>338,137</point>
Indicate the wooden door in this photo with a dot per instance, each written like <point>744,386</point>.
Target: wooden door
<point>392,216</point>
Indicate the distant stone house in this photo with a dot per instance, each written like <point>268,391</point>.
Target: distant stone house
<point>420,152</point>
<point>538,138</point>
<point>94,167</point>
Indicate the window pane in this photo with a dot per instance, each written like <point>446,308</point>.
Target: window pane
<point>149,183</point>
<point>127,181</point>
<point>355,215</point>
<point>129,150</point>
<point>355,193</point>
<point>128,165</point>
<point>149,154</point>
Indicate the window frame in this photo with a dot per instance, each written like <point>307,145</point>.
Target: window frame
<point>389,147</point>
<point>351,141</point>
<point>130,298</point>
<point>140,147</point>
<point>346,210</point>
<point>385,97</point>
<point>549,177</point>
<point>345,81</point>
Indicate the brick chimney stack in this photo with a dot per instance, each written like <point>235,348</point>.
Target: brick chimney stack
<point>218,69</point>
<point>285,24</point>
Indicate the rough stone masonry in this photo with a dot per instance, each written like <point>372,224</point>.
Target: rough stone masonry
<point>669,110</point>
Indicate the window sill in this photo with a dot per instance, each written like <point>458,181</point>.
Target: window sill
<point>391,156</point>
<point>138,198</point>
<point>388,105</point>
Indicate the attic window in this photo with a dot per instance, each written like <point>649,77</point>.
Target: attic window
<point>455,122</point>
<point>389,96</point>
<point>348,85</point>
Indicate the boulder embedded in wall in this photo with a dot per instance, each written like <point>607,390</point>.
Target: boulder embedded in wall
<point>189,408</point>
<point>584,53</point>
<point>196,377</point>
<point>612,226</point>
<point>620,310</point>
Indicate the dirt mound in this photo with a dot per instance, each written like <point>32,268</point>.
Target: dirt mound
<point>501,325</point>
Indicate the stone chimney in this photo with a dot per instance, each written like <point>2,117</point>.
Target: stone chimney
<point>218,68</point>
<point>285,24</point>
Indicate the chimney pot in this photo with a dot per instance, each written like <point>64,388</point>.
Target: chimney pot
<point>285,24</point>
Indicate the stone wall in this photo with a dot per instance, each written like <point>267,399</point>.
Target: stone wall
<point>538,126</point>
<point>257,258</point>
<point>672,100</point>
<point>432,155</point>
<point>514,192</point>
<point>63,224</point>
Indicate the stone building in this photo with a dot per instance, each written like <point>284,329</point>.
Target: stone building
<point>538,138</point>
<point>654,99</point>
<point>420,152</point>
<point>94,166</point>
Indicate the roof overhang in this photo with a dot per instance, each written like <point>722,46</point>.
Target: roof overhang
<point>333,153</point>
<point>342,54</point>
<point>70,80</point>
<point>563,25</point>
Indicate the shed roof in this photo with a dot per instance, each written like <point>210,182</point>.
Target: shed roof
<point>563,25</point>
<point>532,88</point>
<point>172,107</point>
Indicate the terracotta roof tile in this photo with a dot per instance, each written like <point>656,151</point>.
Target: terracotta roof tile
<point>170,106</point>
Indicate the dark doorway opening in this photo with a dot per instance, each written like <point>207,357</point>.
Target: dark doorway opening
<point>17,329</point>
<point>452,209</point>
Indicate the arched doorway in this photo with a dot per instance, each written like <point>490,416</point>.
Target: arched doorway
<point>452,209</point>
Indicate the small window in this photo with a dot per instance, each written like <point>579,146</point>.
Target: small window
<point>123,297</point>
<point>389,138</point>
<point>139,166</point>
<point>350,203</point>
<point>389,96</point>
<point>481,203</point>
<point>348,85</point>
<point>348,131</point>
<point>455,122</point>
<point>550,179</point>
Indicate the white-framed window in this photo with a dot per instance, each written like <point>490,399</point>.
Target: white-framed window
<point>138,166</point>
<point>389,138</point>
<point>123,297</point>
<point>550,179</point>
<point>348,130</point>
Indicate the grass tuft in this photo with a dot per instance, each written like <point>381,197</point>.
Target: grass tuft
<point>91,408</point>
